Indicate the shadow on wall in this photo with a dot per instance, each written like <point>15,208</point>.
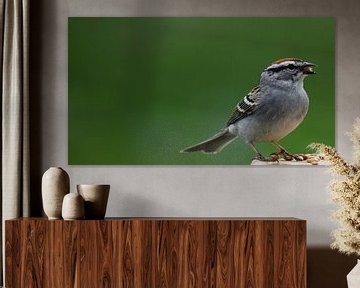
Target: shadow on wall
<point>37,12</point>
<point>328,268</point>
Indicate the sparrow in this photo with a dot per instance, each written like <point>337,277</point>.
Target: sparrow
<point>268,112</point>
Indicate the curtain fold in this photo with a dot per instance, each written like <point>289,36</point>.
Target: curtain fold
<point>15,162</point>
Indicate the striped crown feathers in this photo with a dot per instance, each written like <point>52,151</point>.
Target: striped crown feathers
<point>285,63</point>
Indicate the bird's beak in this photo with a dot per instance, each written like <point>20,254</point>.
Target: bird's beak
<point>308,68</point>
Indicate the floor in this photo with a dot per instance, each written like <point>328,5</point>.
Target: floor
<point>328,268</point>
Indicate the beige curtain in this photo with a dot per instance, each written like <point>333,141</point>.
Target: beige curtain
<point>14,28</point>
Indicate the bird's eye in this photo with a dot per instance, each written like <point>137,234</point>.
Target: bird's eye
<point>291,67</point>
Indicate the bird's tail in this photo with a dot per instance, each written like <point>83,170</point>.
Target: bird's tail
<point>213,145</point>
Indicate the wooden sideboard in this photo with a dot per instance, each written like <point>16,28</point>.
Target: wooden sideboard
<point>156,252</point>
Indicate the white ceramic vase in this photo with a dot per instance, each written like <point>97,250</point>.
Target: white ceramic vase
<point>353,278</point>
<point>96,198</point>
<point>73,207</point>
<point>55,185</point>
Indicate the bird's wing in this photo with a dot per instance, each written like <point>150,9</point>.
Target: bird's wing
<point>245,107</point>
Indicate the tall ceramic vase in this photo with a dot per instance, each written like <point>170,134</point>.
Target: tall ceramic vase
<point>353,278</point>
<point>55,185</point>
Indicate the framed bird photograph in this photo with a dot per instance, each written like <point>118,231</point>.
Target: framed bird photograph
<point>199,90</point>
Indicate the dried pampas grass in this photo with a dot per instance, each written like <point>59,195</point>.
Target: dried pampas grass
<point>345,192</point>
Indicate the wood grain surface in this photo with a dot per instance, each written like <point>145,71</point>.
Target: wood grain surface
<point>149,252</point>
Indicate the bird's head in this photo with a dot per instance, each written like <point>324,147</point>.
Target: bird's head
<point>288,70</point>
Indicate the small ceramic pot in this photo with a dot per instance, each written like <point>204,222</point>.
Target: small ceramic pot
<point>55,185</point>
<point>96,198</point>
<point>73,207</point>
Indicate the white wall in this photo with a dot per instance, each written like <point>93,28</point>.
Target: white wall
<point>197,190</point>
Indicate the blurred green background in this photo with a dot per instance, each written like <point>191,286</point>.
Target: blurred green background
<point>142,89</point>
